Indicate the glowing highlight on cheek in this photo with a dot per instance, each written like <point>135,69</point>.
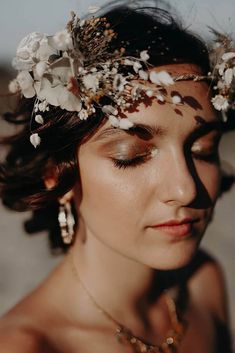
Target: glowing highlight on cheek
<point>154,151</point>
<point>196,147</point>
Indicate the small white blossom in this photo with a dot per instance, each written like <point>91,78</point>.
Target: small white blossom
<point>125,124</point>
<point>221,68</point>
<point>91,82</point>
<point>119,82</point>
<point>228,76</point>
<point>135,92</point>
<point>228,56</point>
<point>143,75</point>
<point>62,40</point>
<point>39,119</point>
<point>137,66</point>
<point>144,55</point>
<point>43,106</point>
<point>160,98</point>
<point>176,99</point>
<point>128,62</point>
<point>83,114</point>
<point>220,102</point>
<point>109,109</point>
<point>161,78</point>
<point>149,93</point>
<point>14,86</point>
<point>114,121</point>
<point>35,140</point>
<point>220,84</point>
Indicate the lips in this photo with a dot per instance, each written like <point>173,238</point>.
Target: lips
<point>176,228</point>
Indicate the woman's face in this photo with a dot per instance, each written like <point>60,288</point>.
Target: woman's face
<point>165,170</point>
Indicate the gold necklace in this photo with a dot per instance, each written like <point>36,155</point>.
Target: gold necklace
<point>125,335</point>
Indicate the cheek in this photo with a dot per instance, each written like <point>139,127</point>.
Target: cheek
<point>210,177</point>
<point>109,193</point>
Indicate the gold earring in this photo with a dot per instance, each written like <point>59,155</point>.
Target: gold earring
<point>66,222</point>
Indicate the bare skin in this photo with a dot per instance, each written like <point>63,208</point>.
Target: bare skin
<point>119,251</point>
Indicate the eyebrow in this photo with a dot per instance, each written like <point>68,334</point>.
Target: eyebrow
<point>207,127</point>
<point>147,132</point>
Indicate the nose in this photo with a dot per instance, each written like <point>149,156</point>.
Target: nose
<point>177,183</point>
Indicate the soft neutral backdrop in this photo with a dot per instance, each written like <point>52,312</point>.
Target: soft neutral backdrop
<point>24,260</point>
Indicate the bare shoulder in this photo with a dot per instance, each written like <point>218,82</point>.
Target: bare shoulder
<point>207,285</point>
<point>18,336</point>
<point>22,328</point>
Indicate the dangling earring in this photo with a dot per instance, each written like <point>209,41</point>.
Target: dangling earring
<point>66,222</point>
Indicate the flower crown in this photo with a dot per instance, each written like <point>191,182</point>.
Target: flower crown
<point>74,70</point>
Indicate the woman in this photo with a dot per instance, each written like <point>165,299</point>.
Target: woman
<point>125,138</point>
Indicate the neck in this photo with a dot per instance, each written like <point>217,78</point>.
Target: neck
<point>119,284</point>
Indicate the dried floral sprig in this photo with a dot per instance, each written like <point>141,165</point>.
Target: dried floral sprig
<point>75,68</point>
<point>222,58</point>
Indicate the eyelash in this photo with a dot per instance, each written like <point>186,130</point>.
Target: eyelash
<point>132,162</point>
<point>138,160</point>
<point>209,157</point>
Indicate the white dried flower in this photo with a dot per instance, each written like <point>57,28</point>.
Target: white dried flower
<point>59,96</point>
<point>125,124</point>
<point>221,68</point>
<point>43,106</point>
<point>14,86</point>
<point>227,56</point>
<point>144,55</point>
<point>176,99</point>
<point>119,82</point>
<point>110,110</point>
<point>143,75</point>
<point>26,82</point>
<point>32,49</point>
<point>114,121</point>
<point>62,40</point>
<point>228,76</point>
<point>35,140</point>
<point>83,114</point>
<point>93,9</point>
<point>39,119</point>
<point>40,68</point>
<point>220,85</point>
<point>220,102</point>
<point>128,62</point>
<point>135,92</point>
<point>160,98</point>
<point>137,66</point>
<point>161,78</point>
<point>149,93</point>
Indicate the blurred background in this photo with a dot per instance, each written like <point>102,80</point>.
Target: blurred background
<point>25,260</point>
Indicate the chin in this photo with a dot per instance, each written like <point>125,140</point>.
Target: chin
<point>174,258</point>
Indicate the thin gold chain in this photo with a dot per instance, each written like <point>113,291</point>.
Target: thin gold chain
<point>102,310</point>
<point>172,340</point>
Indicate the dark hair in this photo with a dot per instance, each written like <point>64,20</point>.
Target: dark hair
<point>138,27</point>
